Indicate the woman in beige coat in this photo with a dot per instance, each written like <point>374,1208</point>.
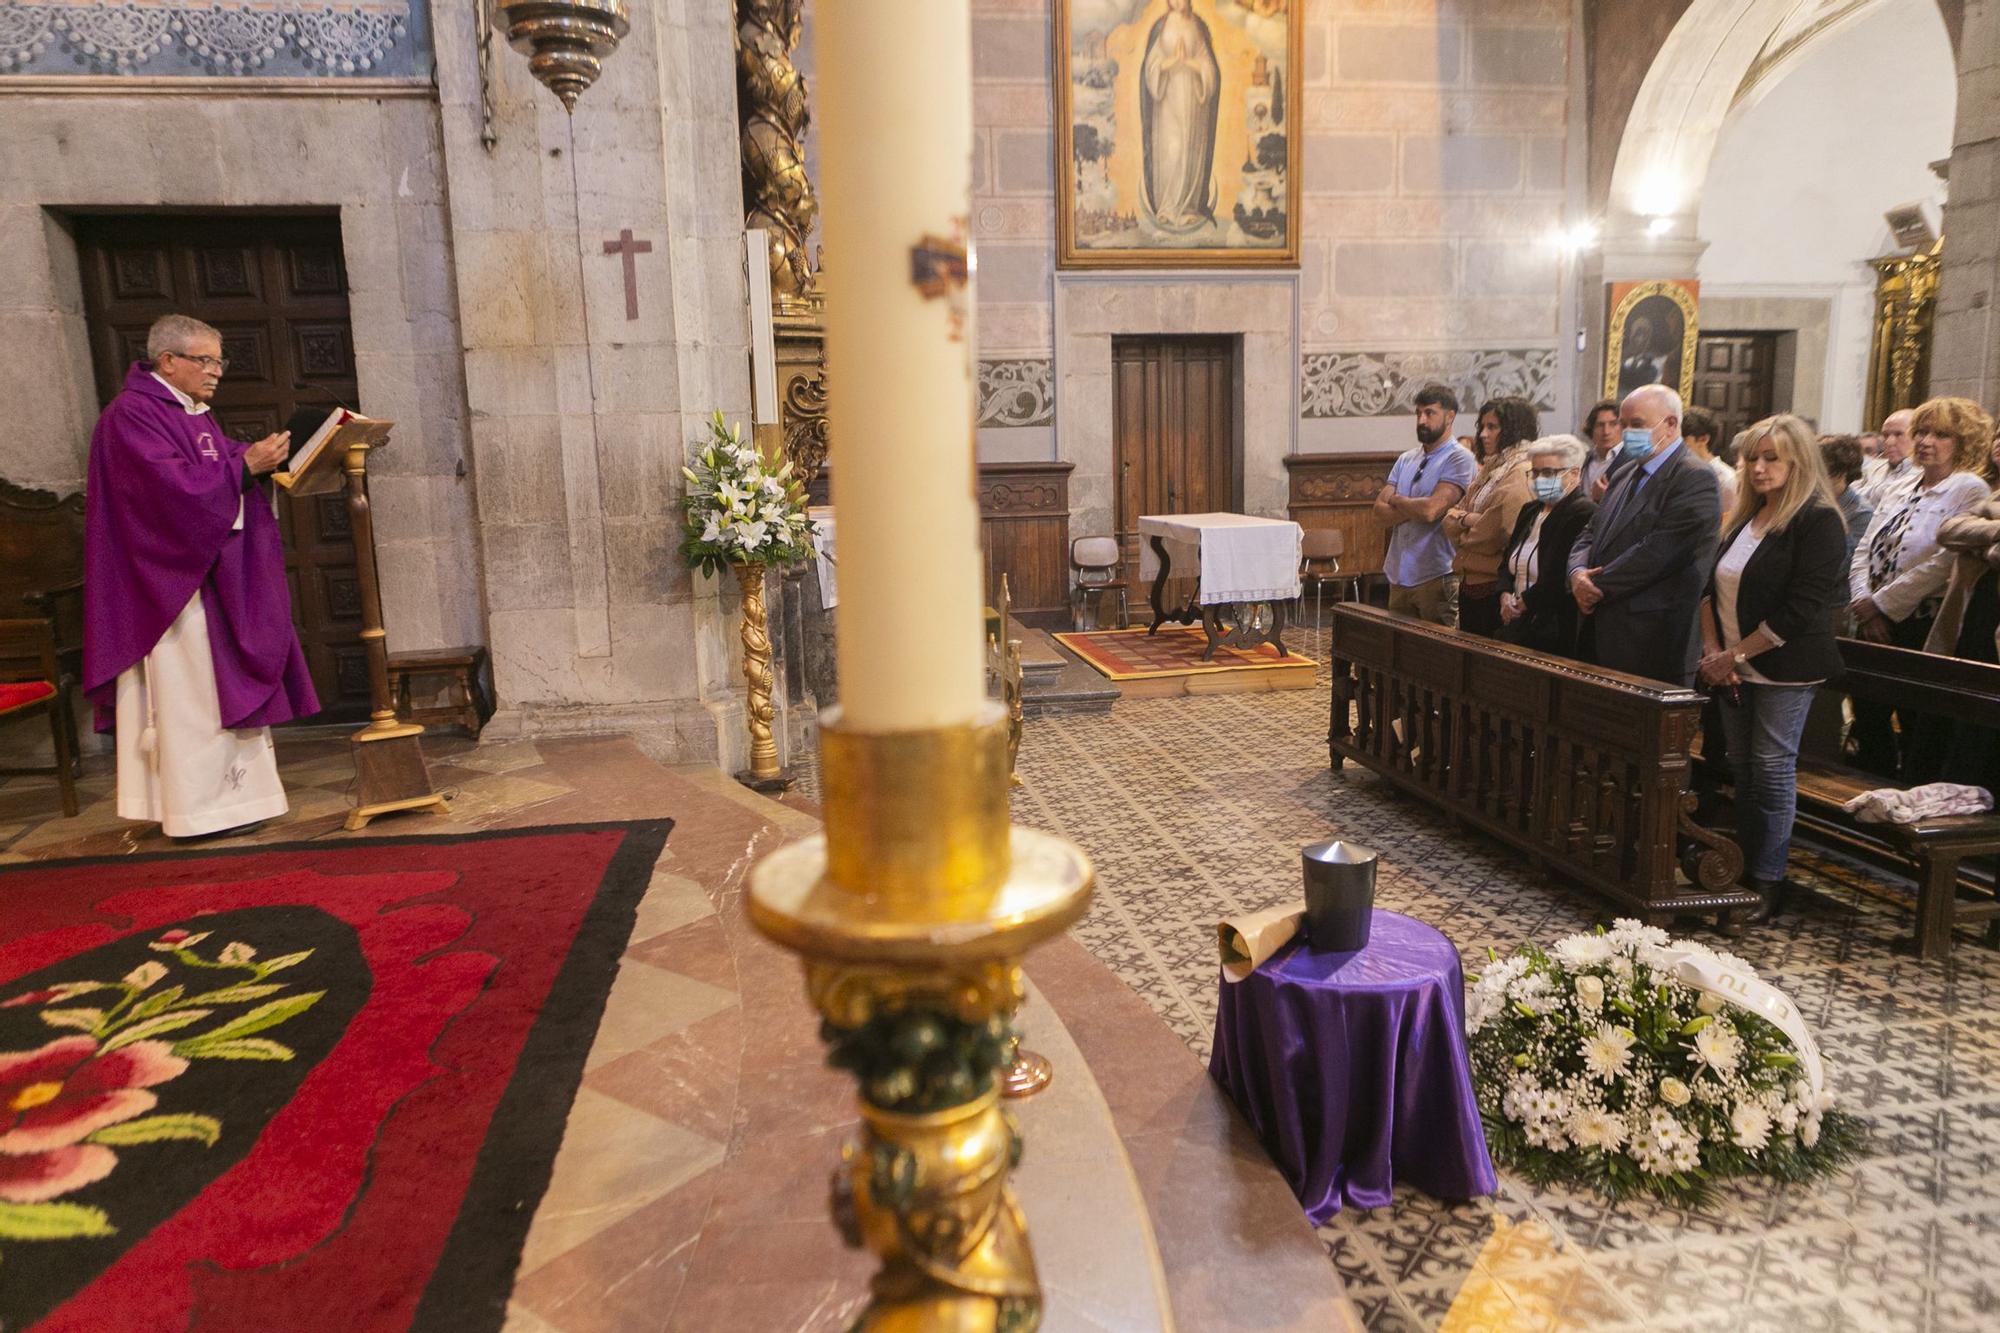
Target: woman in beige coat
<point>1968,626</point>
<point>1481,527</point>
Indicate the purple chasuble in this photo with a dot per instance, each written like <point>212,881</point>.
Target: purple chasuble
<point>159,525</point>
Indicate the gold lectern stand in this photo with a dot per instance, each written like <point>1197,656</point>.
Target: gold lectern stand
<point>389,770</point>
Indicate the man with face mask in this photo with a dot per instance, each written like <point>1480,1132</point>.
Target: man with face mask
<point>1423,485</point>
<point>1639,568</point>
<point>1536,609</point>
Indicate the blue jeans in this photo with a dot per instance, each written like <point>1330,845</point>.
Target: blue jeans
<point>1763,733</point>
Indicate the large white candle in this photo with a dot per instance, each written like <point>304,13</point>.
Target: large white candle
<point>894,101</point>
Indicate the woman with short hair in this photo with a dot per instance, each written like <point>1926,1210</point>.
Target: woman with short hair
<point>1537,610</point>
<point>1842,456</point>
<point>1767,633</point>
<point>1481,526</point>
<point>1899,571</point>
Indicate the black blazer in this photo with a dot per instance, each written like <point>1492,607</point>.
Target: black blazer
<point>1795,579</point>
<point>1653,551</point>
<point>1548,615</point>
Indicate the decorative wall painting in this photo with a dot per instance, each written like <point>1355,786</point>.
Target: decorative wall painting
<point>1177,133</point>
<point>1649,336</point>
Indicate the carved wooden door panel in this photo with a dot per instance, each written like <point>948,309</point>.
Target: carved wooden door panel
<point>1734,379</point>
<point>276,287</point>
<point>1174,432</point>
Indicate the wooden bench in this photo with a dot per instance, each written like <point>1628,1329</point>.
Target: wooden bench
<point>466,682</point>
<point>1584,769</point>
<point>41,613</point>
<point>1932,851</point>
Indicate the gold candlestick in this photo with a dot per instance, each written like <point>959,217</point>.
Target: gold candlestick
<point>912,913</point>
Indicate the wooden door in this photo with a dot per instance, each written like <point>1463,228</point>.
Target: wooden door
<point>1174,430</point>
<point>1733,379</point>
<point>276,288</point>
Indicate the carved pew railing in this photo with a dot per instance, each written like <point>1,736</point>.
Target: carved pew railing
<point>1584,769</point>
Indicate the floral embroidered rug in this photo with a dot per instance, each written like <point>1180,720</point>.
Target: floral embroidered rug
<point>317,1085</point>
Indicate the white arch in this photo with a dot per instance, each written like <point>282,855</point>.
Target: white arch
<point>1688,93</point>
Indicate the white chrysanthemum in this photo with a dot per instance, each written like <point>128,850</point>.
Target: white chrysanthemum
<point>1583,950</point>
<point>1718,1046</point>
<point>1531,987</point>
<point>1608,1051</point>
<point>1626,931</point>
<point>1809,1131</point>
<point>1597,1129</point>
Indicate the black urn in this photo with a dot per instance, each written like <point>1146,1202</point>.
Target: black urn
<point>1340,895</point>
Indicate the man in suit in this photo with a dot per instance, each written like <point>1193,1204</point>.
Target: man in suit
<point>1640,566</point>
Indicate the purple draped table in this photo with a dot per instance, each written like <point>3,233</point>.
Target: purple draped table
<point>1352,1068</point>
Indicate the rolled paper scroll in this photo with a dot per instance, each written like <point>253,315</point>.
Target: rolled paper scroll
<point>1246,941</point>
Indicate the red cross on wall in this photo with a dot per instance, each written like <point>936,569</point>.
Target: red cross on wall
<point>626,248</point>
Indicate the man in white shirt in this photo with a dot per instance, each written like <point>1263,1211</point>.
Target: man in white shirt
<point>1891,468</point>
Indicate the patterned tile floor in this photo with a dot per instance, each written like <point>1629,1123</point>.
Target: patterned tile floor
<point>1194,807</point>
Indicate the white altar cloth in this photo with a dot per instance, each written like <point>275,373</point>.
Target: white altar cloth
<point>1242,559</point>
<point>822,530</point>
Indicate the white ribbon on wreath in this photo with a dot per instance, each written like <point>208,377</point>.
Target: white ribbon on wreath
<point>1705,972</point>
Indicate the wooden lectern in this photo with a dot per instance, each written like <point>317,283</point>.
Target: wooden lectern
<point>390,775</point>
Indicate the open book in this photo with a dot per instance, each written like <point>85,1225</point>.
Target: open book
<point>314,466</point>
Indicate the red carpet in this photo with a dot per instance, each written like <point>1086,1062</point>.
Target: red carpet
<point>313,1086</point>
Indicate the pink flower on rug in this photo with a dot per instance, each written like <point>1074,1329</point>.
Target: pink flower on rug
<point>53,1098</point>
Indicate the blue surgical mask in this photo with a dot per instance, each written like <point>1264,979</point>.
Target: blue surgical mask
<point>1638,443</point>
<point>1548,489</point>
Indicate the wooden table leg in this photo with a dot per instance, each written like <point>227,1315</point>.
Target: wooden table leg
<point>1278,628</point>
<point>1211,624</point>
<point>1159,587</point>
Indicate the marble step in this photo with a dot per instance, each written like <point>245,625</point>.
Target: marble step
<point>1053,681</point>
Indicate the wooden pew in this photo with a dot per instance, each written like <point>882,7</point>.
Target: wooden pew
<point>1584,769</point>
<point>1932,851</point>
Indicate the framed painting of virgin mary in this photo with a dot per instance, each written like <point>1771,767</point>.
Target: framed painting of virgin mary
<point>1177,133</point>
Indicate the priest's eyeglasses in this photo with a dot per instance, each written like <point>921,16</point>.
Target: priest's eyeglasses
<point>218,364</point>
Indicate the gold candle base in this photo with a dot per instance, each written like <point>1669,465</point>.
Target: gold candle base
<point>1028,1075</point>
<point>912,913</point>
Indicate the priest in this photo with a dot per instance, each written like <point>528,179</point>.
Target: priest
<point>189,652</point>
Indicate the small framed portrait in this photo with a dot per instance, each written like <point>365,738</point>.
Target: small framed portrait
<point>1177,133</point>
<point>1650,336</point>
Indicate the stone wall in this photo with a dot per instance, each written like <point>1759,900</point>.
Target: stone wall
<point>582,406</point>
<point>1965,357</point>
<point>375,158</point>
<point>1436,160</point>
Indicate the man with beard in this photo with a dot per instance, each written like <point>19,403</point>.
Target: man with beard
<point>1423,485</point>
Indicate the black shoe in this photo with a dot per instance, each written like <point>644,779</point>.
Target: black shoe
<point>240,831</point>
<point>1774,892</point>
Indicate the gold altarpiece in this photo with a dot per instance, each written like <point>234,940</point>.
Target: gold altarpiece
<point>778,197</point>
<point>1899,354</point>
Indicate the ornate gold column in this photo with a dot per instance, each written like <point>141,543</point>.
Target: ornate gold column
<point>1899,355</point>
<point>778,196</point>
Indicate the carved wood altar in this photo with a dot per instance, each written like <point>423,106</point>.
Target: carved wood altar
<point>1337,492</point>
<point>1584,769</point>
<point>1024,524</point>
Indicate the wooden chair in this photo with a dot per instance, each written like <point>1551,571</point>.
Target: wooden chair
<point>41,619</point>
<point>1095,568</point>
<point>1319,565</point>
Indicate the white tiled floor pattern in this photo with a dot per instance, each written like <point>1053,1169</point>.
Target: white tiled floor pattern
<point>1195,807</point>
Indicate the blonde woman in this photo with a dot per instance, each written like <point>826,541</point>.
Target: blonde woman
<point>1900,570</point>
<point>1767,632</point>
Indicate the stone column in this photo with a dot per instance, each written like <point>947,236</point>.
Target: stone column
<point>589,372</point>
<point>1965,347</point>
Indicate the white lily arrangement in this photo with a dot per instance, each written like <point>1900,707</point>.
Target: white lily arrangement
<point>1596,1064</point>
<point>740,510</point>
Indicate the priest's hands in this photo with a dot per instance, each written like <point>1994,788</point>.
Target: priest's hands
<point>268,453</point>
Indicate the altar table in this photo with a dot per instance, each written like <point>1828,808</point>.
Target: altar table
<point>1352,1068</point>
<point>1244,562</point>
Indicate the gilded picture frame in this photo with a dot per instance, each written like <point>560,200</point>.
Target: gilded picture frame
<point>1650,330</point>
<point>1177,133</point>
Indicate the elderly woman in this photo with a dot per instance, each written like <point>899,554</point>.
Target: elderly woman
<point>1767,633</point>
<point>1536,608</point>
<point>1899,570</point>
<point>1842,456</point>
<point>1480,527</point>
